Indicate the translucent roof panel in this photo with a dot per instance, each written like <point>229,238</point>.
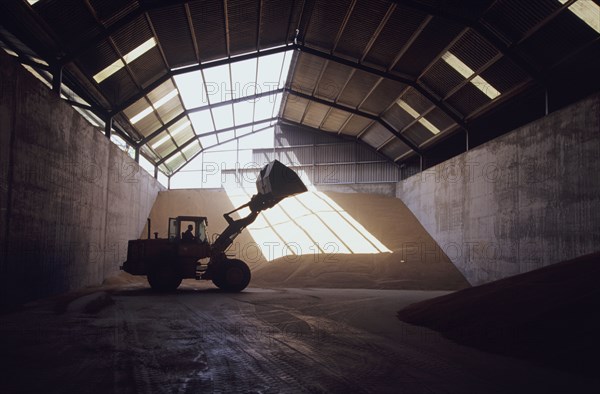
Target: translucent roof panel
<point>214,126</point>
<point>202,121</point>
<point>244,112</point>
<point>191,89</point>
<point>223,116</point>
<point>226,136</point>
<point>269,72</point>
<point>243,75</point>
<point>263,108</point>
<point>218,84</point>
<point>208,141</point>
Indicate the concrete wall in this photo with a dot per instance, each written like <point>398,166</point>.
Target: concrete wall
<point>70,199</point>
<point>526,200</point>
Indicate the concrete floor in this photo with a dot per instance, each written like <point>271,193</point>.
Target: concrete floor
<point>126,339</point>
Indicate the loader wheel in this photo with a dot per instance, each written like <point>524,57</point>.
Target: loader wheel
<point>232,276</point>
<point>164,278</point>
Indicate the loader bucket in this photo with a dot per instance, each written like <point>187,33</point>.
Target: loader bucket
<point>276,181</point>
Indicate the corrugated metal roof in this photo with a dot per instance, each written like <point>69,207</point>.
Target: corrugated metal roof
<point>109,11</point>
<point>333,80</point>
<point>335,120</point>
<point>362,24</point>
<point>504,75</point>
<point>357,89</point>
<point>294,108</point>
<point>565,33</point>
<point>315,114</point>
<point>395,35</point>
<point>70,20</point>
<point>397,117</point>
<point>408,42</point>
<point>174,34</point>
<point>209,27</point>
<point>355,125</point>
<point>376,135</point>
<point>474,50</point>
<point>325,22</point>
<point>418,134</point>
<point>395,149</point>
<point>468,99</point>
<point>242,18</point>
<point>442,78</point>
<point>383,96</point>
<point>307,71</point>
<point>514,18</point>
<point>436,36</point>
<point>132,35</point>
<point>274,22</point>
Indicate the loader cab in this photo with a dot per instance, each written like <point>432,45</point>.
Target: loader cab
<point>180,224</point>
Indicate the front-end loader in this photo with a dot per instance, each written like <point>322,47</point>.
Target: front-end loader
<point>167,261</point>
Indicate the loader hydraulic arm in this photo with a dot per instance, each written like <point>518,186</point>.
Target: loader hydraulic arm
<point>274,183</point>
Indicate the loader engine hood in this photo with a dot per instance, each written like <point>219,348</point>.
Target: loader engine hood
<point>274,183</point>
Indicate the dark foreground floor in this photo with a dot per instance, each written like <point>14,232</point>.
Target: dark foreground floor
<point>260,341</point>
<point>550,316</point>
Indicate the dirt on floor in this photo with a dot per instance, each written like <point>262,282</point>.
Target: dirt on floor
<point>549,315</point>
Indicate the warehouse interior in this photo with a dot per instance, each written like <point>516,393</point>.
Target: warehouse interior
<point>448,240</point>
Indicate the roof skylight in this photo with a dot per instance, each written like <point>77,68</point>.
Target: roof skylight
<point>411,111</point>
<point>232,81</point>
<point>467,72</point>
<point>128,58</point>
<point>587,11</point>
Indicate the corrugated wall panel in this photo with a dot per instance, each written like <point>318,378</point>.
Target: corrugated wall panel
<point>295,156</point>
<point>334,174</point>
<point>365,154</point>
<point>335,153</point>
<point>285,136</point>
<point>376,172</point>
<point>261,156</point>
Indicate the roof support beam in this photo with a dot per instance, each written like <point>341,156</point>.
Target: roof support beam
<point>118,25</point>
<point>158,131</point>
<point>355,111</point>
<point>215,145</point>
<point>105,34</point>
<point>143,92</point>
<point>343,26</point>
<point>395,77</point>
<point>197,137</point>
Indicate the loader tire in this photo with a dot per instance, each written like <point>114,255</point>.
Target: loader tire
<point>164,278</point>
<point>232,276</point>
